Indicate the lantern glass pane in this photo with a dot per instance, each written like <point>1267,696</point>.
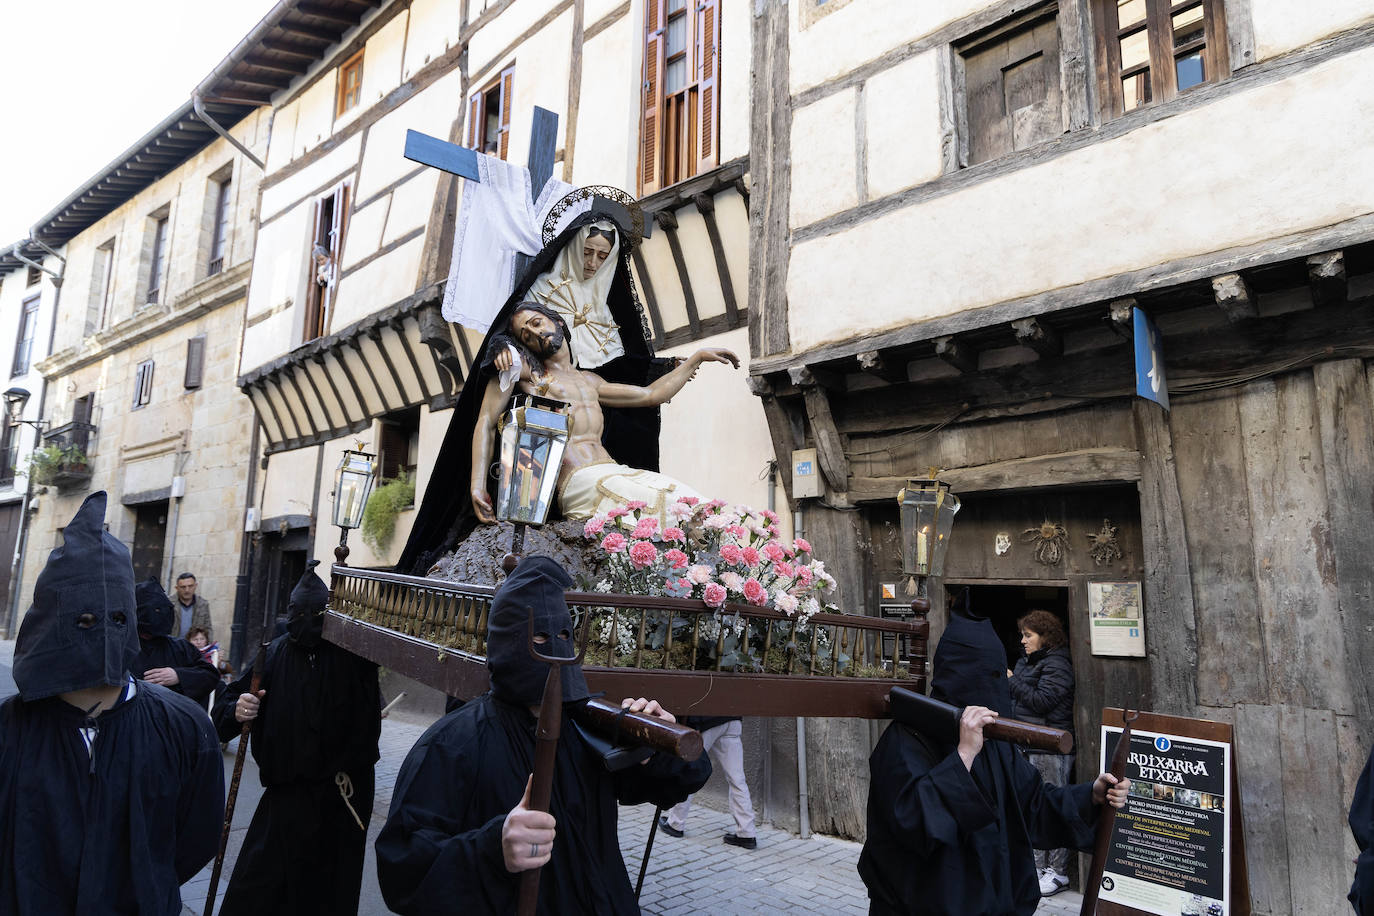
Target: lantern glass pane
<point>944,526</point>
<point>352,486</point>
<point>504,494</point>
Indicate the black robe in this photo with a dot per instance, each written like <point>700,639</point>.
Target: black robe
<point>117,832</point>
<point>440,851</point>
<point>321,715</point>
<point>1362,826</point>
<point>197,678</point>
<point>630,435</point>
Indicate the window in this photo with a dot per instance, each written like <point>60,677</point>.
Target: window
<point>102,271</point>
<point>159,255</point>
<point>350,84</point>
<point>325,250</point>
<point>8,446</point>
<point>680,127</point>
<point>83,409</point>
<point>143,384</point>
<point>400,443</point>
<point>195,362</point>
<point>1010,76</point>
<point>34,276</point>
<point>23,344</point>
<point>219,234</point>
<point>489,116</point>
<point>1151,50</point>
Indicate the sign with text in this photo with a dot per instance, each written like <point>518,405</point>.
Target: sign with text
<point>1175,844</point>
<point>1115,619</point>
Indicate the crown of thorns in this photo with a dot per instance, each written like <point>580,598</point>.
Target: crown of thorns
<point>615,203</point>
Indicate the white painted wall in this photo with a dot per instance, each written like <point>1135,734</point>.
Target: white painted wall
<point>1283,25</point>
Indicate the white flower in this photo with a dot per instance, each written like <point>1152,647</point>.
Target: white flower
<point>718,522</point>
<point>785,602</point>
<point>699,574</point>
<point>604,586</point>
<point>732,580</point>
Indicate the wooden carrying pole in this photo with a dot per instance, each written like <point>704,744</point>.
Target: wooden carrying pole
<point>611,722</point>
<point>1105,819</point>
<point>941,720</point>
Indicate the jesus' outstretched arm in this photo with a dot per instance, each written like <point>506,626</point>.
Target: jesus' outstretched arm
<point>664,387</point>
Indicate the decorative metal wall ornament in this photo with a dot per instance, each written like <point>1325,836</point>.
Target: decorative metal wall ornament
<point>1051,540</point>
<point>1104,547</point>
<point>553,222</point>
<point>1001,543</point>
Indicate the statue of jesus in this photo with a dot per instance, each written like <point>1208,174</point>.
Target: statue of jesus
<point>590,480</point>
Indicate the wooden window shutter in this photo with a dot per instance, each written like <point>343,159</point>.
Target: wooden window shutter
<point>708,85</point>
<point>507,97</point>
<point>650,155</point>
<point>195,362</point>
<point>475,121</point>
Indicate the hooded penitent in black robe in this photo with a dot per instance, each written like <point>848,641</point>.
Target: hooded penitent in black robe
<point>1362,826</point>
<point>115,825</point>
<point>196,678</point>
<point>630,434</point>
<point>440,851</point>
<point>320,717</point>
<point>943,839</point>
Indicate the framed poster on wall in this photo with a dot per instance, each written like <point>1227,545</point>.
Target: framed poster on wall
<point>1116,619</point>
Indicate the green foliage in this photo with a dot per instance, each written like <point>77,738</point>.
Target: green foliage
<point>379,518</point>
<point>44,463</point>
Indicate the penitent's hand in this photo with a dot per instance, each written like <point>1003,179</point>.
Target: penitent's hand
<point>648,707</point>
<point>1112,790</point>
<point>481,506</point>
<point>527,836</point>
<point>971,725</point>
<point>167,677</point>
<point>246,707</point>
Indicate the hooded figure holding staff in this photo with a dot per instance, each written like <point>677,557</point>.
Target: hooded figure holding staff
<point>110,788</point>
<point>460,814</point>
<point>952,828</point>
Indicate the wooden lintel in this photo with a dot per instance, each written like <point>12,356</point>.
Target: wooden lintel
<point>830,445</point>
<point>1234,298</point>
<point>1084,466</point>
<point>958,354</point>
<point>1326,278</point>
<point>1041,338</point>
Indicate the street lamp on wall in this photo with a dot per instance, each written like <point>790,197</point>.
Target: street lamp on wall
<point>15,400</point>
<point>352,486</point>
<point>928,510</point>
<point>534,434</point>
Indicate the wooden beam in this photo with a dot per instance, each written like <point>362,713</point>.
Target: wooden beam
<point>830,445</point>
<point>287,49</point>
<point>1083,466</point>
<point>1326,278</point>
<point>329,15</point>
<point>802,376</point>
<point>706,206</point>
<point>779,429</point>
<point>1233,297</point>
<point>263,63</point>
<point>957,354</point>
<point>1041,338</point>
<point>872,362</point>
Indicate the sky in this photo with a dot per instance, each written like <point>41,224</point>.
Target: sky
<point>84,79</point>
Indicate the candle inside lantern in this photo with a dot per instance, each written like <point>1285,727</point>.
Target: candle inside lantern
<point>922,553</point>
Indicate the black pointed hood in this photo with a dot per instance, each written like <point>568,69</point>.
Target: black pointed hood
<point>538,583</point>
<point>971,666</point>
<point>155,613</point>
<point>305,619</point>
<point>81,630</point>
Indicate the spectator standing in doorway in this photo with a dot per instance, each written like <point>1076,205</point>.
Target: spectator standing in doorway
<point>192,610</point>
<point>1042,692</point>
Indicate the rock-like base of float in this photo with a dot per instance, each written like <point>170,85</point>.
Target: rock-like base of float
<point>478,558</point>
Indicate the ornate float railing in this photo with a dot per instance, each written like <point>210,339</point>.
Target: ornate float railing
<point>676,650</point>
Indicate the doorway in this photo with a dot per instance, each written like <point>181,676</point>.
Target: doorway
<point>150,534</point>
<point>1006,604</point>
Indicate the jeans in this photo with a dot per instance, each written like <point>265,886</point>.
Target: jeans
<point>1055,770</point>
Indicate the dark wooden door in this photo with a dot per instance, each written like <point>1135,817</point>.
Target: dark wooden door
<point>150,533</point>
<point>9,533</point>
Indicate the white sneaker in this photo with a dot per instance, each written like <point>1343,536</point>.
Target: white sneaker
<point>1051,882</point>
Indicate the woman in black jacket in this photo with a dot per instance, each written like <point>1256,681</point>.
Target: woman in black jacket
<point>1042,692</point>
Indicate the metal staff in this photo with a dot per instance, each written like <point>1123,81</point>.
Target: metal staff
<point>648,848</point>
<point>1106,818</point>
<point>546,748</point>
<point>259,662</point>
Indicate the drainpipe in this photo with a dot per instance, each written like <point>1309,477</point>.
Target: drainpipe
<point>772,471</point>
<point>238,629</point>
<point>211,123</point>
<point>803,801</point>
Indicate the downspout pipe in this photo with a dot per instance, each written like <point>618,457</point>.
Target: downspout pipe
<point>214,125</point>
<point>803,799</point>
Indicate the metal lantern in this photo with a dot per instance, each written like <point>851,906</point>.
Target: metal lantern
<point>352,486</point>
<point>534,433</point>
<point>928,509</point>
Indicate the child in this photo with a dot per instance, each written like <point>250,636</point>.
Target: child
<point>200,638</point>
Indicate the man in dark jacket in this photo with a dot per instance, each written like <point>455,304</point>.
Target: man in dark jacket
<point>951,827</point>
<point>111,790</point>
<point>460,832</point>
<point>169,661</point>
<point>1362,826</point>
<point>316,719</point>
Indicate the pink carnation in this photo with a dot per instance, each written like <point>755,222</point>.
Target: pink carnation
<point>786,570</point>
<point>674,534</point>
<point>643,553</point>
<point>731,553</point>
<point>717,504</point>
<point>635,505</point>
<point>739,531</point>
<point>689,500</point>
<point>676,559</point>
<point>613,542</point>
<point>804,575</point>
<point>645,528</point>
<point>699,574</point>
<point>680,510</point>
<point>770,515</point>
<point>617,512</point>
<point>754,592</point>
<point>802,545</point>
<point>773,551</point>
<point>714,596</point>
<point>774,531</point>
<point>594,526</point>
<point>717,521</point>
<point>751,556</point>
